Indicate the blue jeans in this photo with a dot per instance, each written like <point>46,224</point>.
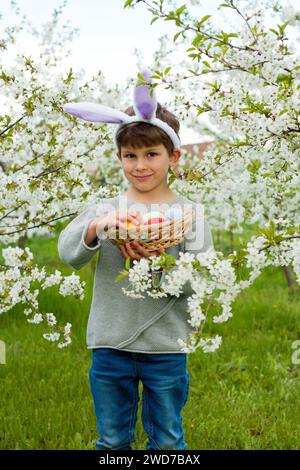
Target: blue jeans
<point>114,380</point>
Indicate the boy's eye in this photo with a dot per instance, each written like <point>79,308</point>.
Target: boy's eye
<point>131,154</point>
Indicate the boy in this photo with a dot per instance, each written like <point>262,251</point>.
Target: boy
<point>134,339</point>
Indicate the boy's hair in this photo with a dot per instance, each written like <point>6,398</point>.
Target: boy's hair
<point>143,134</point>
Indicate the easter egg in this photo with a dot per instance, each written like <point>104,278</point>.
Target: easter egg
<point>156,220</point>
<point>174,213</point>
<point>130,224</point>
<point>153,215</point>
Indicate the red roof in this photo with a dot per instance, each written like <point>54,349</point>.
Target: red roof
<point>195,149</point>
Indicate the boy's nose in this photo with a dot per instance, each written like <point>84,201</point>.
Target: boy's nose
<point>140,166</point>
<point>142,171</point>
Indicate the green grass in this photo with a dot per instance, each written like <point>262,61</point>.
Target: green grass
<point>243,396</point>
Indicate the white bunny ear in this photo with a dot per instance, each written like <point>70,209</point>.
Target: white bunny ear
<point>144,104</point>
<point>95,112</point>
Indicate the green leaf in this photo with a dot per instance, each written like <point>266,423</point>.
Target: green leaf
<point>70,77</point>
<point>197,39</point>
<point>128,3</point>
<point>282,27</point>
<point>127,263</point>
<point>180,10</point>
<point>205,18</point>
<point>121,276</point>
<point>192,71</point>
<point>215,85</point>
<point>154,19</point>
<point>172,178</point>
<point>253,166</point>
<point>141,76</point>
<point>200,111</point>
<point>218,44</point>
<point>176,36</point>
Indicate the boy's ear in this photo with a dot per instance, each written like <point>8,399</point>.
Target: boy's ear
<point>176,154</point>
<point>173,161</point>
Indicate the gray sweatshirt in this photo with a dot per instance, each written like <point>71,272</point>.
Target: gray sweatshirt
<point>117,321</point>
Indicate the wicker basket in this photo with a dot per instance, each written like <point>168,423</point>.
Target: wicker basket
<point>154,236</point>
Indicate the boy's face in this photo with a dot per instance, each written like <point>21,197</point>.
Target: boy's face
<point>152,162</point>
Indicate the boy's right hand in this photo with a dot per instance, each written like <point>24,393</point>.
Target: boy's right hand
<point>117,220</point>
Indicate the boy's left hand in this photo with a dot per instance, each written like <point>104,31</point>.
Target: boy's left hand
<point>136,251</point>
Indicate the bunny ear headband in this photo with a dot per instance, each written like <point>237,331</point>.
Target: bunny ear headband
<point>144,107</point>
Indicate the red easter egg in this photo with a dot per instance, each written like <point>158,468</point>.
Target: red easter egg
<point>155,220</point>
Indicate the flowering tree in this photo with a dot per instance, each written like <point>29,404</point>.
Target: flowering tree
<point>43,161</point>
<point>247,81</point>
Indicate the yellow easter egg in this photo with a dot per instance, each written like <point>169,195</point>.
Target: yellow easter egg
<point>130,224</point>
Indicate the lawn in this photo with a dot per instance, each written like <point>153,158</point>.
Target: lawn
<point>243,396</point>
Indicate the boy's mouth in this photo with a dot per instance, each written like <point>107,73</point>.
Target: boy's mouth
<point>141,178</point>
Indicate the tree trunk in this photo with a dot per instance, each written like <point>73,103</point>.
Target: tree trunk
<point>290,278</point>
<point>231,240</point>
<point>22,241</point>
<point>218,238</point>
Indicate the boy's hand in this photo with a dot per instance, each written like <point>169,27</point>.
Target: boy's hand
<point>135,250</point>
<point>117,219</point>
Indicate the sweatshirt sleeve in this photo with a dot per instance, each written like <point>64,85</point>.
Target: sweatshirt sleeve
<point>72,248</point>
<point>197,240</point>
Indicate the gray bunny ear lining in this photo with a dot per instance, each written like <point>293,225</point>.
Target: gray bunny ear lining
<point>95,112</point>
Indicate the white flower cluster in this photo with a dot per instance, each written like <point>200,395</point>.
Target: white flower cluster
<point>175,279</point>
<point>16,282</point>
<point>207,345</point>
<point>214,278</point>
<point>213,274</point>
<point>72,285</point>
<point>56,336</point>
<point>139,276</point>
